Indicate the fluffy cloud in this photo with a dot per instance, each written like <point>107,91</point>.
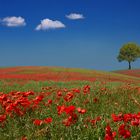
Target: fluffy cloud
<point>49,24</point>
<point>74,16</point>
<point>13,21</point>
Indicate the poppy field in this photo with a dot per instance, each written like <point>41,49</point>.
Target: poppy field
<point>69,110</point>
<point>79,110</point>
<point>134,72</point>
<point>25,74</point>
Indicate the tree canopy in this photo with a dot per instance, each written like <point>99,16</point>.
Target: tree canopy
<point>129,52</point>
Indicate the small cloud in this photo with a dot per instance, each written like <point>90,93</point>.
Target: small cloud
<point>74,16</point>
<point>13,21</point>
<point>47,24</point>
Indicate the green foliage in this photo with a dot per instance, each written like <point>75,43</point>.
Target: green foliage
<point>129,52</point>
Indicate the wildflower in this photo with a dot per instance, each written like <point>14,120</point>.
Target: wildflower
<point>124,132</point>
<point>24,102</point>
<point>86,89</point>
<point>68,96</point>
<point>117,118</point>
<point>138,115</point>
<point>2,118</point>
<point>82,111</point>
<point>18,111</point>
<point>3,97</point>
<point>70,120</point>
<point>135,122</point>
<point>26,94</point>
<point>59,93</point>
<point>39,98</point>
<point>98,118</point>
<point>48,120</point>
<point>95,100</point>
<point>69,109</point>
<point>127,117</point>
<point>76,90</point>
<point>65,90</point>
<point>60,109</point>
<point>9,108</point>
<point>49,102</point>
<point>38,122</point>
<point>109,135</point>
<point>93,122</point>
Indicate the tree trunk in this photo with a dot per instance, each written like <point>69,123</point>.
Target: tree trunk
<point>129,65</point>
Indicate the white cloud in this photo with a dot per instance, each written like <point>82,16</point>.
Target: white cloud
<point>13,21</point>
<point>74,16</point>
<point>49,24</point>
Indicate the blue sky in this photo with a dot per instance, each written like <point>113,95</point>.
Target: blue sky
<point>91,41</point>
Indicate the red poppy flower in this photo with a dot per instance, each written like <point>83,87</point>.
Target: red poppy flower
<point>86,89</point>
<point>117,118</point>
<point>2,118</point>
<point>60,109</point>
<point>49,102</point>
<point>109,135</point>
<point>135,122</point>
<point>70,120</point>
<point>124,132</point>
<point>38,122</point>
<point>28,93</point>
<point>48,120</point>
<point>39,98</point>
<point>76,90</point>
<point>69,109</point>
<point>68,96</point>
<point>127,117</point>
<point>82,111</point>
<point>59,93</point>
<point>93,122</point>
<point>95,100</point>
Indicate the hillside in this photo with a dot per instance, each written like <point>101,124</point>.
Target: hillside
<point>43,73</point>
<point>134,72</point>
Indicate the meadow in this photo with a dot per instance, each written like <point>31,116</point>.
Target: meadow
<point>75,104</point>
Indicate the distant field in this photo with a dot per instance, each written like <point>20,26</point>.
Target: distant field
<point>56,103</point>
<point>40,73</point>
<point>135,72</point>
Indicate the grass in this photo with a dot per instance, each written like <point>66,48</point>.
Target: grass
<point>100,102</point>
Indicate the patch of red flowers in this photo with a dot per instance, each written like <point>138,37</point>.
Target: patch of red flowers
<point>38,122</point>
<point>125,133</point>
<point>2,118</point>
<point>17,104</point>
<point>128,121</point>
<point>109,135</point>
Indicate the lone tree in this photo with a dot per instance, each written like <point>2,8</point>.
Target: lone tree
<point>129,52</point>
